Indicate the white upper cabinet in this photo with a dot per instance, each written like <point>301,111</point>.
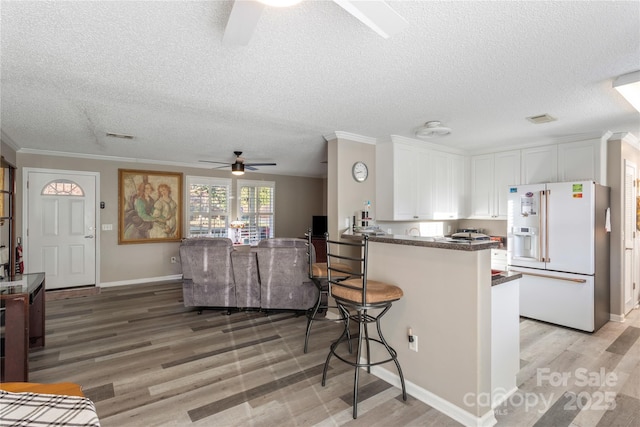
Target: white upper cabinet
<point>415,183</point>
<point>406,173</point>
<point>482,186</point>
<point>424,183</point>
<point>447,191</point>
<point>396,182</point>
<point>507,173</point>
<point>582,160</point>
<point>491,176</point>
<point>539,164</point>
<point>569,161</point>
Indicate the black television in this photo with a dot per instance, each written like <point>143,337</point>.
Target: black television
<point>319,225</point>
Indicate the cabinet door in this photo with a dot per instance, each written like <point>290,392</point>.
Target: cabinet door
<point>447,185</point>
<point>580,161</point>
<point>482,186</point>
<point>424,184</point>
<point>506,173</point>
<point>458,208</point>
<point>406,168</point>
<point>441,174</point>
<point>539,165</point>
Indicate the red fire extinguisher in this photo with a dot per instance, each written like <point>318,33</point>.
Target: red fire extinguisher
<point>19,262</point>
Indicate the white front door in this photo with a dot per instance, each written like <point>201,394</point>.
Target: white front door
<point>629,285</point>
<point>60,235</point>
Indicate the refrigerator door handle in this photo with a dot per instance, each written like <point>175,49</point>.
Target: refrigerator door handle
<point>544,235</point>
<point>546,227</point>
<point>547,276</point>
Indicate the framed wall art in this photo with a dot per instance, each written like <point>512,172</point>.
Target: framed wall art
<point>149,206</point>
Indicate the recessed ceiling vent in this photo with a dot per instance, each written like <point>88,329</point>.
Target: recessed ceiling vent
<point>432,129</point>
<point>542,118</point>
<point>119,135</point>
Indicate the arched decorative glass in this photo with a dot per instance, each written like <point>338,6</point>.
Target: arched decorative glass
<point>62,187</point>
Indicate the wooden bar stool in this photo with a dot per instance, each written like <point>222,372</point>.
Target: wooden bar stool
<point>318,274</point>
<point>359,295</point>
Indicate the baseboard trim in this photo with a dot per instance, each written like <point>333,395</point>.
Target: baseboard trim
<point>141,281</point>
<point>442,405</point>
<point>617,317</point>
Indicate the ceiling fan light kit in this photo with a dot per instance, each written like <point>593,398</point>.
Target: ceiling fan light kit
<point>237,168</point>
<point>432,129</point>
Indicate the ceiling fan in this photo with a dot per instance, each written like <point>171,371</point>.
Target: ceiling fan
<point>238,167</point>
<point>376,14</point>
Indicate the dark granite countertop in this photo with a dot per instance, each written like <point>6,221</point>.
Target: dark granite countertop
<point>429,242</point>
<point>505,277</point>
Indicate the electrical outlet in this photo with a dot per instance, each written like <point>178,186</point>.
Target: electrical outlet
<point>414,345</point>
<point>174,260</point>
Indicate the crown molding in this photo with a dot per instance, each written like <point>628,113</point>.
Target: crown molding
<point>110,158</point>
<point>626,137</point>
<point>350,136</point>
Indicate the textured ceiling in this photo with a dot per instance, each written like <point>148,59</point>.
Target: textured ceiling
<point>157,70</point>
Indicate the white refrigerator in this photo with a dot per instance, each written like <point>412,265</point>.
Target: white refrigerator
<point>558,238</point>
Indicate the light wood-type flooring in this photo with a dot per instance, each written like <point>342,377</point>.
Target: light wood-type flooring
<point>146,360</point>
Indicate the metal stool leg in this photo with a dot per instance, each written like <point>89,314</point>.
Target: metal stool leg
<point>366,335</point>
<point>394,355</point>
<point>362,327</point>
<point>311,316</point>
<point>334,345</point>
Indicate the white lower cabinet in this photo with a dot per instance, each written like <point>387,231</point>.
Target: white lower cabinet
<point>505,340</point>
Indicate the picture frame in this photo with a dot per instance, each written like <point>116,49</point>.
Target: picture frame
<point>149,206</point>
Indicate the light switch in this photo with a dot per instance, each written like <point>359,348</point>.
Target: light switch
<point>107,227</point>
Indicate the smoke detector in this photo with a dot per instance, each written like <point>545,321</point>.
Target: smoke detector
<point>432,129</point>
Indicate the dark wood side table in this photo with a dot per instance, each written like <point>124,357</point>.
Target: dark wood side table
<point>22,301</point>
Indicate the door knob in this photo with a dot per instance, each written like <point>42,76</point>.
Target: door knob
<point>88,237</point>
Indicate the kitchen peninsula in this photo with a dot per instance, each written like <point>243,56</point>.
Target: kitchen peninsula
<point>449,301</point>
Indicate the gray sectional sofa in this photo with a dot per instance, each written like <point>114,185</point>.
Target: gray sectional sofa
<point>271,276</point>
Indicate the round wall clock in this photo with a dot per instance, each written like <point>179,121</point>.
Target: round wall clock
<point>360,171</point>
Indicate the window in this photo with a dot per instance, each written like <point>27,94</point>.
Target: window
<point>208,208</point>
<point>256,205</point>
<point>62,187</point>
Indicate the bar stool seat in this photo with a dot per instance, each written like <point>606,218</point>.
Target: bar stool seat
<point>355,296</point>
<point>377,292</point>
<point>318,273</point>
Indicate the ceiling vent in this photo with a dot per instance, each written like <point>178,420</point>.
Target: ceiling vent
<point>542,118</point>
<point>432,129</point>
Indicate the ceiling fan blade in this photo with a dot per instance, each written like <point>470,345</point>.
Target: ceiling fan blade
<point>260,164</point>
<point>377,15</point>
<point>242,22</point>
<point>211,161</point>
